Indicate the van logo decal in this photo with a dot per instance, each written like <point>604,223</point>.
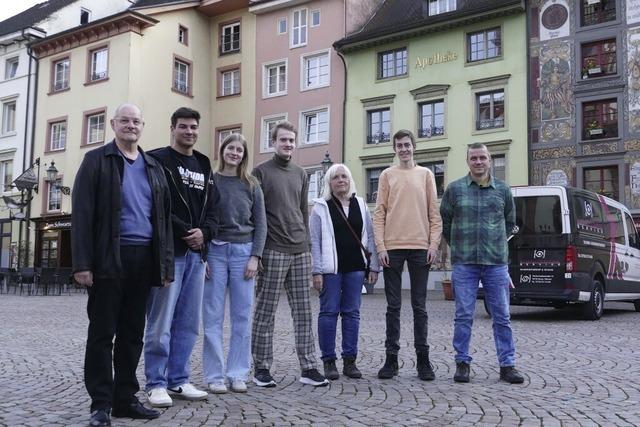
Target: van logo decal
<point>525,278</point>
<point>588,210</point>
<point>539,254</point>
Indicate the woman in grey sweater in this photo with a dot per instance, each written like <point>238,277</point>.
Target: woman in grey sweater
<point>233,258</point>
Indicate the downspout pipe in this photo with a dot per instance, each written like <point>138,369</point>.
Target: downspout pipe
<point>344,106</point>
<point>33,141</point>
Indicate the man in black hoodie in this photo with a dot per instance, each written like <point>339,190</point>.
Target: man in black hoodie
<point>173,313</point>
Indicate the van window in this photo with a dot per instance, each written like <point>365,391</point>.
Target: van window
<point>538,215</point>
<point>631,231</point>
<point>588,216</point>
<point>613,228</point>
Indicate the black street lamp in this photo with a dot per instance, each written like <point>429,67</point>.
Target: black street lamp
<point>326,163</point>
<point>52,179</point>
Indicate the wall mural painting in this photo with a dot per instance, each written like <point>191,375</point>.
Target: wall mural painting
<point>556,95</point>
<point>633,71</point>
<point>554,172</point>
<point>555,131</point>
<point>633,11</point>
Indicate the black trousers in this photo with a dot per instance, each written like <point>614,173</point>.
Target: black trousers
<point>117,308</point>
<point>419,275</point>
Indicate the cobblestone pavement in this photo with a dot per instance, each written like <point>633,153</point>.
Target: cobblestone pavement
<point>577,373</point>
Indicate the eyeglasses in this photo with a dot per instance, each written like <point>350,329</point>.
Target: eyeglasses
<point>125,121</point>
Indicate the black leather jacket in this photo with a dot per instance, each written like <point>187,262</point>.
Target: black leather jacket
<point>95,217</point>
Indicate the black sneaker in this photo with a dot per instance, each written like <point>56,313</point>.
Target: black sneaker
<point>330,370</point>
<point>462,372</point>
<point>314,378</point>
<point>262,378</point>
<point>511,375</point>
<point>424,367</point>
<point>100,418</point>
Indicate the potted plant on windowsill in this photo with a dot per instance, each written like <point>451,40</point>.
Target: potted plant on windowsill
<point>591,68</point>
<point>594,128</point>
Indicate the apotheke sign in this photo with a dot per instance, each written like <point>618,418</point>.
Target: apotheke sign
<point>437,58</point>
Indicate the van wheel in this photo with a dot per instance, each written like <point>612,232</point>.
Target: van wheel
<point>593,309</point>
<point>486,306</point>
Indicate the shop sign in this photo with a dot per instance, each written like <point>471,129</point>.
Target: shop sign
<point>57,224</point>
<point>634,174</point>
<point>437,58</point>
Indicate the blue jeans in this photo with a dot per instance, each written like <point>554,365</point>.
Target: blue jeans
<point>495,281</point>
<point>341,294</point>
<point>227,264</point>
<point>173,323</point>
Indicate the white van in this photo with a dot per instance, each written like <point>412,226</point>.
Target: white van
<point>573,247</point>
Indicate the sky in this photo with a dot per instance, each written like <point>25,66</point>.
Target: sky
<point>9,8</point>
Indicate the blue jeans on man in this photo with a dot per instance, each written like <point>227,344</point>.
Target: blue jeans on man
<point>495,282</point>
<point>227,263</point>
<point>340,295</point>
<point>173,323</point>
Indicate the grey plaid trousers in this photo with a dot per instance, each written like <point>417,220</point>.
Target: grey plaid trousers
<point>294,272</point>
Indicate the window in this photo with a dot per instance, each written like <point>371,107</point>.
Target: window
<point>94,128</point>
<point>275,79</point>
<point>315,126</point>
<point>49,254</point>
<point>54,196</point>
<point>230,82</point>
<point>57,135</point>
<point>11,68</point>
<point>437,7</point>
<point>8,117</point>
<point>597,11</point>
<point>61,70</point>
<point>268,123</point>
<point>490,110</point>
<point>299,28</point>
<point>484,44</point>
<point>315,71</point>
<point>438,172</point>
<point>392,63</point>
<point>230,38</point>
<point>315,18</point>
<point>431,119</point>
<point>373,176</point>
<point>315,185</point>
<point>182,76</point>
<point>99,64</point>
<point>379,126</point>
<point>85,16</point>
<point>602,180</point>
<point>183,35</point>
<point>632,234</point>
<point>599,58</point>
<point>282,25</point>
<point>600,119</point>
<point>222,134</point>
<point>6,174</point>
<point>499,167</point>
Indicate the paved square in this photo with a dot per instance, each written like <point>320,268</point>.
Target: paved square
<point>576,373</point>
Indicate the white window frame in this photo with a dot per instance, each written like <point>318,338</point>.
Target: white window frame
<point>83,9</point>
<point>299,31</point>
<point>66,74</point>
<point>8,118</point>
<point>317,175</point>
<point>265,134</point>
<point>304,68</point>
<point>183,35</point>
<point>4,185</point>
<point>441,6</point>
<point>234,88</point>
<point>100,126</point>
<point>54,193</point>
<point>282,23</point>
<point>222,37</point>
<point>9,71</point>
<point>265,78</point>
<point>178,73</point>
<point>315,12</point>
<point>304,115</point>
<point>61,143</point>
<point>223,133</point>
<point>96,75</point>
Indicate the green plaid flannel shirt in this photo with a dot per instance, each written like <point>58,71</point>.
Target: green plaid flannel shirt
<point>476,221</point>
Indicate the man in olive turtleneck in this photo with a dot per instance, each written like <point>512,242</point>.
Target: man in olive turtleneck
<point>286,260</point>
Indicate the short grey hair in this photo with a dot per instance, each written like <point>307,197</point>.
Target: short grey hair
<point>328,176</point>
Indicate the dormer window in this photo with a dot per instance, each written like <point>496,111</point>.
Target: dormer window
<point>85,16</point>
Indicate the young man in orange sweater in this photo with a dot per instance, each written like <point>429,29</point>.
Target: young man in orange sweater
<point>407,228</point>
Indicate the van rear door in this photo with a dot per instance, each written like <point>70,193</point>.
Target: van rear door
<point>537,252</point>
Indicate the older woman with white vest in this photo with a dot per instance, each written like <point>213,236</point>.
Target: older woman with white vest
<point>341,246</point>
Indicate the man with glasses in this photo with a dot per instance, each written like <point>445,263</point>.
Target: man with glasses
<point>121,245</point>
<point>407,228</point>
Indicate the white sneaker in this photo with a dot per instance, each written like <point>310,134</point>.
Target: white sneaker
<point>159,398</point>
<point>188,392</point>
<point>218,387</point>
<point>238,386</point>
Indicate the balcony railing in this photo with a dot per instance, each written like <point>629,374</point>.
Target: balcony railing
<point>180,86</point>
<point>431,131</point>
<point>378,138</point>
<point>60,85</point>
<point>490,123</point>
<point>98,76</point>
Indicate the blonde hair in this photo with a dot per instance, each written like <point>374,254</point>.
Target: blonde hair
<point>243,171</point>
<point>328,176</point>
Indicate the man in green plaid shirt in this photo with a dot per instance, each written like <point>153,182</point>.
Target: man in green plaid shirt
<point>478,214</point>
